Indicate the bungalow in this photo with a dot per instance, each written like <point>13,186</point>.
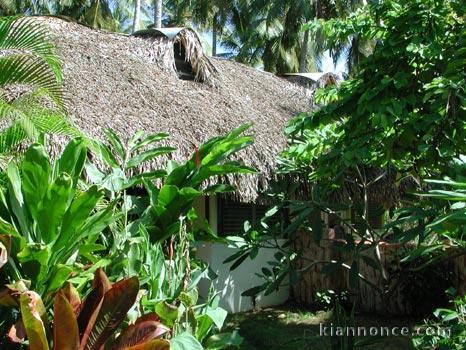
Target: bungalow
<point>161,80</point>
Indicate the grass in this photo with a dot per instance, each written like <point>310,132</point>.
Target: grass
<point>288,328</point>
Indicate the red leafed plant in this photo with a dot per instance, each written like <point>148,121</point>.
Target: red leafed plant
<point>91,324</point>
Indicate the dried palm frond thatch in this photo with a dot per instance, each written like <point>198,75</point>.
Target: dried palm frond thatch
<point>167,38</point>
<point>127,83</point>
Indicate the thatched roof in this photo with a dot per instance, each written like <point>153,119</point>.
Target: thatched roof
<point>118,81</point>
<point>310,82</point>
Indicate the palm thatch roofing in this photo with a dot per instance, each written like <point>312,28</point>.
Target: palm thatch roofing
<point>310,82</point>
<point>128,83</point>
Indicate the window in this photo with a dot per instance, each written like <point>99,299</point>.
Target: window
<point>232,215</point>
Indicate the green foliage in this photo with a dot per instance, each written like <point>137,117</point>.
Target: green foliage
<point>406,104</point>
<point>5,247</point>
<point>270,33</point>
<point>402,112</point>
<point>30,75</point>
<point>437,221</point>
<point>186,182</point>
<point>161,217</point>
<point>450,325</point>
<point>48,217</point>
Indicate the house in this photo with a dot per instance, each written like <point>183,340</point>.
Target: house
<point>161,81</point>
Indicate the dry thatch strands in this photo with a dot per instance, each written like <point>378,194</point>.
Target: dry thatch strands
<point>128,83</point>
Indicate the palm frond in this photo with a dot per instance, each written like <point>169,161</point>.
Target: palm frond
<point>28,36</point>
<point>26,69</point>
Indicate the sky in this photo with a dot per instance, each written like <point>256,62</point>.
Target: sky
<point>327,61</point>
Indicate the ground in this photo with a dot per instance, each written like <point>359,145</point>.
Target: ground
<point>287,328</point>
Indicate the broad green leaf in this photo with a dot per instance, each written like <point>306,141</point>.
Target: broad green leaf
<point>97,222</point>
<point>116,143</point>
<point>107,156</point>
<point>148,155</point>
<point>34,259</point>
<point>167,194</point>
<point>203,327</point>
<point>35,172</point>
<point>16,199</point>
<point>185,341</point>
<point>167,312</point>
<point>93,174</point>
<point>218,316</point>
<point>138,179</point>
<point>72,159</point>
<point>224,149</point>
<point>53,206</point>
<point>177,176</point>
<point>75,217</point>
<point>114,181</point>
<point>58,276</point>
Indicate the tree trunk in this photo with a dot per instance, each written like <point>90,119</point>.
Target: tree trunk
<point>214,35</point>
<point>303,56</point>
<point>137,15</point>
<point>158,14</point>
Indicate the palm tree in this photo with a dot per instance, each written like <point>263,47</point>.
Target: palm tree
<point>137,15</point>
<point>95,13</point>
<point>158,8</point>
<point>30,75</point>
<point>244,35</point>
<point>271,30</point>
<point>211,15</point>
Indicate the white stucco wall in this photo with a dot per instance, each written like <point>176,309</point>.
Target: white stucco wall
<point>231,284</point>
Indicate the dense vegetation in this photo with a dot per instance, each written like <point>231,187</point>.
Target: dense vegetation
<point>65,219</point>
<point>399,119</point>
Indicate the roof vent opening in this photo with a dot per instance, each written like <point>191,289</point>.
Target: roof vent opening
<point>180,49</point>
<point>182,64</point>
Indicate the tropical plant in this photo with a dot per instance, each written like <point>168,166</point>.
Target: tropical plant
<point>30,79</point>
<point>373,121</point>
<point>450,326</point>
<point>272,31</point>
<point>187,181</point>
<point>175,297</point>
<point>170,277</point>
<point>377,113</point>
<point>91,324</point>
<point>121,160</point>
<point>51,221</point>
